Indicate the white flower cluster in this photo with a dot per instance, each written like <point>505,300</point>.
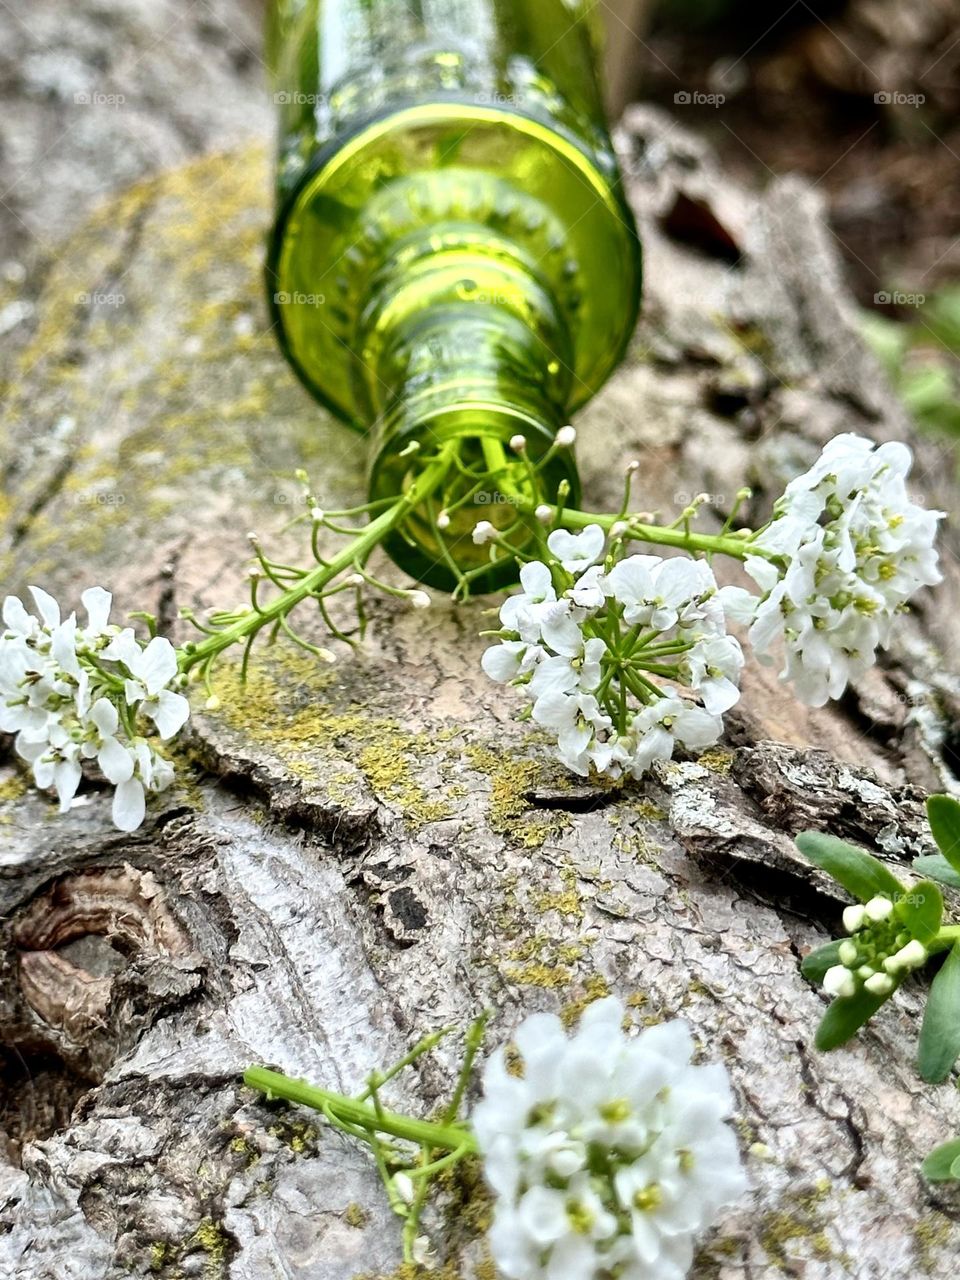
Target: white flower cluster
<point>73,693</point>
<point>879,954</point>
<point>594,645</point>
<point>848,549</point>
<point>608,1153</point>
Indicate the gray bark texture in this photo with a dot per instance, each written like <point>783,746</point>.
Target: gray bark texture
<point>356,855</point>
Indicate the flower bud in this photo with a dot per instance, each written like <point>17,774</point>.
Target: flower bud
<point>518,443</point>
<point>839,981</point>
<point>483,532</point>
<point>423,1253</point>
<point>565,1162</point>
<point>854,918</point>
<point>317,515</point>
<point>419,599</point>
<point>878,909</point>
<point>443,520</point>
<point>403,1185</point>
<point>544,513</point>
<point>879,985</point>
<point>566,437</point>
<point>212,703</point>
<point>848,953</point>
<point>912,956</point>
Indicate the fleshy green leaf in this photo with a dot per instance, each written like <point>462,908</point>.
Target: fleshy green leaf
<point>921,910</point>
<point>937,867</point>
<point>844,1019</point>
<point>940,1034</point>
<point>816,964</point>
<point>858,872</point>
<point>943,813</point>
<point>943,1163</point>
<point>814,967</point>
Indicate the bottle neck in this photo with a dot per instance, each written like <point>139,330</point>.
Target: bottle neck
<point>462,341</point>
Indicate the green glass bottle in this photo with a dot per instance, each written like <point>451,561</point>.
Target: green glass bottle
<point>452,257</point>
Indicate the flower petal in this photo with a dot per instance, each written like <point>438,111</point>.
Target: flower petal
<point>129,807</point>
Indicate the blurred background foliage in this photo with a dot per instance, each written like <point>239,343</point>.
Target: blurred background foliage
<point>863,98</point>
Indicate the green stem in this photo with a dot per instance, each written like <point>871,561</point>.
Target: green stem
<point>426,483</point>
<point>722,544</point>
<point>439,1137</point>
<point>946,938</point>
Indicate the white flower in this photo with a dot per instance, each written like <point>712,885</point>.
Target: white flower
<point>115,760</point>
<point>562,674</point>
<point>98,604</point>
<point>659,727</point>
<point>483,532</point>
<point>577,551</point>
<point>575,718</point>
<point>585,660</point>
<point>589,590</point>
<point>151,670</point>
<point>560,628</point>
<point>59,694</point>
<point>852,548</point>
<point>152,772</point>
<point>608,1154</point>
<point>655,592</point>
<point>713,667</point>
<point>523,613</point>
<point>58,766</point>
<point>510,660</point>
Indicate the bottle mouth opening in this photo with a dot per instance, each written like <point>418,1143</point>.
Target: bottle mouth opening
<point>489,481</point>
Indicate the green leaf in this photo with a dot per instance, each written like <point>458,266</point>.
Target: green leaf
<point>940,1034</point>
<point>943,813</point>
<point>921,910</point>
<point>816,964</point>
<point>858,872</point>
<point>844,1019</point>
<point>937,867</point>
<point>943,1163</point>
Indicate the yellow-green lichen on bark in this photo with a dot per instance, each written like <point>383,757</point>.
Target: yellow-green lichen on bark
<point>931,1235</point>
<point>797,1230</point>
<point>512,778</point>
<point>282,706</point>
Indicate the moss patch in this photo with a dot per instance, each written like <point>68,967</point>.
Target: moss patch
<point>595,988</point>
<point>13,788</point>
<point>512,780</point>
<point>282,706</point>
<point>801,1222</point>
<point>354,1215</point>
<point>930,1236</point>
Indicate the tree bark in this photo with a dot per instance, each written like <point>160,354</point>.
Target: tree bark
<point>355,856</point>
